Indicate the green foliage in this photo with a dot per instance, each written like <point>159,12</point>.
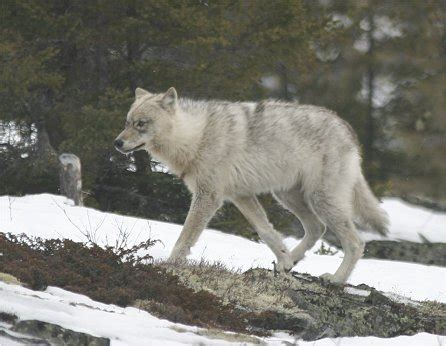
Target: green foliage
<point>401,136</point>
<point>325,250</point>
<point>69,69</point>
<point>100,124</point>
<point>29,176</point>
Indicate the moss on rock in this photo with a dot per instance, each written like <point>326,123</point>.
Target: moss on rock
<point>310,307</point>
<point>425,253</point>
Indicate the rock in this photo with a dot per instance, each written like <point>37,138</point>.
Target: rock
<point>33,332</point>
<point>430,203</point>
<point>311,308</point>
<point>425,253</point>
<point>9,279</point>
<point>363,311</point>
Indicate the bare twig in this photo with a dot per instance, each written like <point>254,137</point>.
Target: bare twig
<point>10,206</point>
<point>85,234</point>
<point>89,233</point>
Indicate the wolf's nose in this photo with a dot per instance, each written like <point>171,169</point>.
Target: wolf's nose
<point>119,143</point>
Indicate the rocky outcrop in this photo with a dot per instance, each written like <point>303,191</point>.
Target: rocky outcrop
<point>32,332</point>
<point>425,253</point>
<point>430,203</point>
<point>256,302</point>
<point>362,310</point>
<point>311,308</point>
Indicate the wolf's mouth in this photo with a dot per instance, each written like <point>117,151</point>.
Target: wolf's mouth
<point>134,149</point>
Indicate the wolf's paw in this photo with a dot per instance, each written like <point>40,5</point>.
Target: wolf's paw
<point>284,265</point>
<point>177,260</point>
<point>178,256</point>
<point>332,279</point>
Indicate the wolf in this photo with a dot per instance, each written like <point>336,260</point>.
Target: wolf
<point>305,155</point>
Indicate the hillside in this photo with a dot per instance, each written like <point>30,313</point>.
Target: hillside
<point>399,286</point>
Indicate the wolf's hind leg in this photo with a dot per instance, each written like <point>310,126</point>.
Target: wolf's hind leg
<point>202,208</point>
<point>336,215</point>
<point>251,208</point>
<point>293,200</point>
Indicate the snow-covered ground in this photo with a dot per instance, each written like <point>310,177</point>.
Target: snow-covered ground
<point>130,326</point>
<point>412,223</point>
<point>125,326</point>
<point>50,216</point>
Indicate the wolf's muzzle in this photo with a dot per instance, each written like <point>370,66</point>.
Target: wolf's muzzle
<point>118,144</point>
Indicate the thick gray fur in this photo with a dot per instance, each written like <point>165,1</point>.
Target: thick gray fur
<point>306,156</point>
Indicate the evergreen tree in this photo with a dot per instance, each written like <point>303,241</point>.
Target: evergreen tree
<point>77,63</point>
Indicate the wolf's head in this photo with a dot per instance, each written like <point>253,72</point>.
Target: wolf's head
<point>149,119</point>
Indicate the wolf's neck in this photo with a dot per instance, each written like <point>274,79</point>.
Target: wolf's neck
<point>180,149</point>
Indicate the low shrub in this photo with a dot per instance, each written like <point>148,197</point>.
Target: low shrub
<point>113,276</point>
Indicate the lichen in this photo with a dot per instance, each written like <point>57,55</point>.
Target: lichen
<point>256,289</point>
<point>310,307</point>
<point>9,279</point>
<point>220,335</point>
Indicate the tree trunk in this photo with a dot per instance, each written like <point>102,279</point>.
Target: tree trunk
<point>71,178</point>
<point>283,71</point>
<point>370,122</point>
<point>45,150</point>
<point>142,162</point>
<point>142,158</point>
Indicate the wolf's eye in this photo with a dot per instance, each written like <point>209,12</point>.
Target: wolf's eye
<point>140,123</point>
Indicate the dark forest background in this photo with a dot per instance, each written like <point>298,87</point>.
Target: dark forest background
<point>68,70</point>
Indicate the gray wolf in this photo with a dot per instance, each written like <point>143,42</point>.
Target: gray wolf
<point>306,156</point>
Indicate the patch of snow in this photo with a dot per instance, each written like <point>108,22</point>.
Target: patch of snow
<point>270,82</point>
<point>423,339</point>
<point>362,44</point>
<point>130,326</point>
<point>400,299</point>
<point>408,222</point>
<point>356,291</point>
<point>384,86</point>
<point>6,330</point>
<point>50,216</point>
<point>123,326</point>
<point>341,20</point>
<point>384,27</point>
<point>7,342</point>
<point>11,133</point>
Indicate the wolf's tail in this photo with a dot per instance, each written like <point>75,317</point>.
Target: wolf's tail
<point>367,208</point>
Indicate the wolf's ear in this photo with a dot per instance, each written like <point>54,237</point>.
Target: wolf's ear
<point>140,92</point>
<point>170,98</point>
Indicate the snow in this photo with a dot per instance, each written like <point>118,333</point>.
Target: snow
<point>408,222</point>
<point>356,291</point>
<point>130,326</point>
<point>51,216</point>
<point>124,326</point>
<point>421,339</point>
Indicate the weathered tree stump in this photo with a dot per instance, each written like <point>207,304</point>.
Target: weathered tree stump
<point>70,177</point>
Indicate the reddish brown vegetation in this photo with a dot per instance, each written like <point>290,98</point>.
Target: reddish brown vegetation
<point>111,275</point>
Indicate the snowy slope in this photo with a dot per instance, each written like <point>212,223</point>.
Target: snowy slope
<point>124,326</point>
<point>52,216</point>
<point>130,326</point>
<point>408,222</point>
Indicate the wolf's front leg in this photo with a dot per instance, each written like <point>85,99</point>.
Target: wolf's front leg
<point>203,207</point>
<point>251,208</point>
